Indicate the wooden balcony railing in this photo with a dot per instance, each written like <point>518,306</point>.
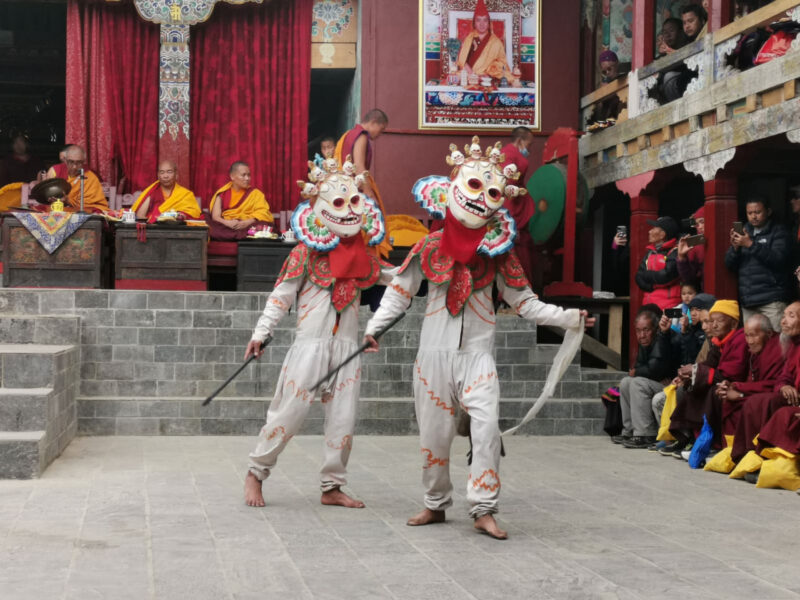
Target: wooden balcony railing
<point>653,135</point>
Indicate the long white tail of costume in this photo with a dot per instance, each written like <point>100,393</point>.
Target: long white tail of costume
<point>562,360</point>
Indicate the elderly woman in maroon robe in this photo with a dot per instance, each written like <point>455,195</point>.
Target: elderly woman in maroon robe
<point>758,408</point>
<point>763,368</point>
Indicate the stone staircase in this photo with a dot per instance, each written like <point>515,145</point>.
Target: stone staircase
<point>39,378</point>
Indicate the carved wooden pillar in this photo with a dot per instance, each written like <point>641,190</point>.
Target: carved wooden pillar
<point>644,24</point>
<point>721,211</point>
<point>644,206</point>
<point>173,97</point>
<point>719,14</point>
<point>176,18</point>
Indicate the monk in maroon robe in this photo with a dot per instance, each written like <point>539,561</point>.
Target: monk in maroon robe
<point>782,430</point>
<point>758,408</point>
<point>764,367</point>
<point>727,360</point>
<point>521,208</point>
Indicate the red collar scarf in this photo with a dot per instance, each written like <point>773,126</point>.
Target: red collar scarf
<point>350,259</point>
<point>459,241</point>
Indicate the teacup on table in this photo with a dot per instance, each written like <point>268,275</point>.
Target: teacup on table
<point>288,236</point>
<point>128,216</point>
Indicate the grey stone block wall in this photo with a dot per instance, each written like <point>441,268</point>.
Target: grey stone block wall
<point>140,349</point>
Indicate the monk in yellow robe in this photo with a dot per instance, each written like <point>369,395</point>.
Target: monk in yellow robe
<point>482,52</point>
<point>166,195</point>
<point>94,201</point>
<point>357,143</point>
<point>236,207</point>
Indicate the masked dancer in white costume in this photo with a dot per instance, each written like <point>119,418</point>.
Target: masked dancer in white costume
<point>324,274</point>
<point>455,362</point>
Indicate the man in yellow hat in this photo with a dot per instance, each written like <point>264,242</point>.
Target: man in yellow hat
<point>727,361</point>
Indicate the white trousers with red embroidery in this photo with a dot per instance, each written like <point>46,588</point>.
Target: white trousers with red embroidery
<point>305,363</point>
<point>441,379</point>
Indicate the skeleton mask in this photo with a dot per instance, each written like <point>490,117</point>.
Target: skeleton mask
<point>476,193</point>
<point>340,206</point>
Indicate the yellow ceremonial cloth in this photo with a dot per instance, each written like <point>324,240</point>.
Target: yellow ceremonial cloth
<point>180,200</point>
<point>491,62</point>
<point>255,205</point>
<point>405,230</point>
<point>10,196</point>
<point>93,198</point>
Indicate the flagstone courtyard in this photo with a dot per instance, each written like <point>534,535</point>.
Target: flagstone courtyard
<point>163,517</point>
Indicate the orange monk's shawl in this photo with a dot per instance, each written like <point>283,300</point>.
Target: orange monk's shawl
<point>94,201</point>
<point>180,200</point>
<point>249,205</point>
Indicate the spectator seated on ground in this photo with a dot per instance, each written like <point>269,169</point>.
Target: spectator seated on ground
<point>693,335</point>
<point>726,360</point>
<point>693,346</point>
<point>657,275</point>
<point>236,207</point>
<point>688,292</point>
<point>760,256</point>
<point>165,196</point>
<point>691,259</point>
<point>606,111</point>
<point>764,366</point>
<point>647,377</point>
<point>756,409</point>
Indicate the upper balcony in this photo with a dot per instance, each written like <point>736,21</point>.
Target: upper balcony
<point>721,108</point>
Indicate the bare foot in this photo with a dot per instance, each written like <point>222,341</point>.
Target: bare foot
<point>337,497</point>
<point>252,491</point>
<point>426,517</point>
<point>486,524</point>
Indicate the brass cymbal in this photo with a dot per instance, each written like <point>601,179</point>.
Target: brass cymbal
<point>50,188</point>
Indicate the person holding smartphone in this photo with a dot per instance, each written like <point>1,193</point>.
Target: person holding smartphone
<point>692,252</point>
<point>760,254</point>
<point>657,275</point>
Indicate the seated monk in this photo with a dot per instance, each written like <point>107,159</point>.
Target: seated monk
<point>758,408</point>
<point>166,195</point>
<point>782,430</point>
<point>236,207</point>
<point>727,360</point>
<point>94,201</point>
<point>764,366</point>
<point>482,52</point>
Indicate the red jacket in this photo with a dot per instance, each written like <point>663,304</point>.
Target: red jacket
<point>658,275</point>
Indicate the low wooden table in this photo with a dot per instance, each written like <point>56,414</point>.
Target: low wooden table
<point>81,261</point>
<point>258,264</point>
<point>171,257</point>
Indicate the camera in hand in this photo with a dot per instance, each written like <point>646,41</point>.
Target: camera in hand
<point>673,313</point>
<point>695,240</point>
<point>622,231</point>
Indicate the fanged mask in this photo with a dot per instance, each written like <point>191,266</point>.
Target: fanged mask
<point>340,206</point>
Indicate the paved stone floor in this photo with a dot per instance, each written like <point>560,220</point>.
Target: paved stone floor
<point>135,517</point>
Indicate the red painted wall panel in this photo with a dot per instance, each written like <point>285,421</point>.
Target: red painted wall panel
<point>390,81</point>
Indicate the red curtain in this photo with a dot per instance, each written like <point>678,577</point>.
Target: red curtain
<point>251,78</point>
<point>112,89</point>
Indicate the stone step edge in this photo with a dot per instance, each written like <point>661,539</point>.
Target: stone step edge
<point>267,398</point>
<point>22,436</point>
<point>23,348</point>
<point>33,392</point>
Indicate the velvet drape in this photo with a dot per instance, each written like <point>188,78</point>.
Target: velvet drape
<point>251,77</point>
<point>112,89</point>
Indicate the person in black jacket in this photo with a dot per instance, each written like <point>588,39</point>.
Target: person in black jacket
<point>645,379</point>
<point>760,256</point>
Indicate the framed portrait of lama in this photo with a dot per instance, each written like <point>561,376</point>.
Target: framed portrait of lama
<point>479,64</point>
